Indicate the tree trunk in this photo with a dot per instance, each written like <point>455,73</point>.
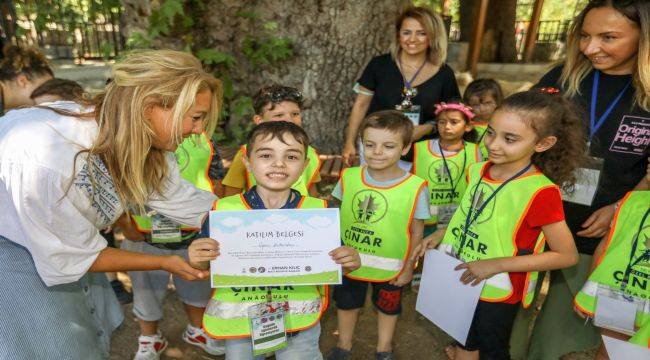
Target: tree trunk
<point>333,40</point>
<point>135,16</point>
<point>499,39</point>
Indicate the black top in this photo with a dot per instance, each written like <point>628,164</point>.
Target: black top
<point>622,141</point>
<point>383,77</point>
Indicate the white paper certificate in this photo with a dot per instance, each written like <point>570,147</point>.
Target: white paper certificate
<point>275,247</point>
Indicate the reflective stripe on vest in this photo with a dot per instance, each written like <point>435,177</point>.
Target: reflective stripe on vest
<point>376,221</point>
<point>194,156</point>
<point>612,264</point>
<point>431,167</point>
<point>493,233</point>
<point>305,180</point>
<point>226,314</point>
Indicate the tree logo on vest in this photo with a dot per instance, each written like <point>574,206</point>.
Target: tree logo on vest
<point>369,206</point>
<point>438,173</point>
<point>642,255</point>
<point>479,197</point>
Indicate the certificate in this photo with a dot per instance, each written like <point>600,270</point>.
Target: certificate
<point>275,247</point>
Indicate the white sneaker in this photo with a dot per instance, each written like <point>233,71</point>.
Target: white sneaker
<point>197,337</point>
<point>150,347</point>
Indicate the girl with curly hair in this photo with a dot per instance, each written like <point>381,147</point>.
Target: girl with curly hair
<point>513,208</point>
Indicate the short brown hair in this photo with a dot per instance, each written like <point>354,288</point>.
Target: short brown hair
<point>23,61</point>
<point>275,94</point>
<point>277,130</point>
<point>391,120</point>
<point>63,88</point>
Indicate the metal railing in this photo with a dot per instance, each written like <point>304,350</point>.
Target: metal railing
<point>66,31</point>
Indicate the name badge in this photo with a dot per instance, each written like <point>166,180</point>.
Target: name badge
<point>413,113</point>
<point>267,322</point>
<point>445,212</point>
<point>615,310</point>
<point>587,180</point>
<point>164,230</point>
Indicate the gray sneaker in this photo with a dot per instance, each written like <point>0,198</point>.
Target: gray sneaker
<point>339,354</point>
<point>385,355</point>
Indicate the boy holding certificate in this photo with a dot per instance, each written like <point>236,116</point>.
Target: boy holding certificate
<point>276,156</point>
<point>382,216</point>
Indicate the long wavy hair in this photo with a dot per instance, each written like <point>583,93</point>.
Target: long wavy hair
<point>165,78</point>
<point>577,66</point>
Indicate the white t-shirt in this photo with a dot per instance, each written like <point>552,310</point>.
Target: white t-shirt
<point>48,203</point>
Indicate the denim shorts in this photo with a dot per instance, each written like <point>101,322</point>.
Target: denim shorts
<point>303,346</point>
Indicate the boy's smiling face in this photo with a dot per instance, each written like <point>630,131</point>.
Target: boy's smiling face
<point>276,164</point>
<point>383,148</point>
<point>282,111</point>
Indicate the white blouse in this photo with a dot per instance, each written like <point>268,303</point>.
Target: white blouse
<point>48,203</point>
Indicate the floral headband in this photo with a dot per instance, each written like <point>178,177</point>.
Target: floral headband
<point>455,106</point>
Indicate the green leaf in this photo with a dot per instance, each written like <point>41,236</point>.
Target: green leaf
<point>170,8</point>
<point>242,106</point>
<point>250,15</point>
<point>228,87</point>
<point>270,25</point>
<point>215,57</point>
<point>138,40</point>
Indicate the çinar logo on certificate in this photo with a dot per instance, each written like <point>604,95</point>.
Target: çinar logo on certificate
<point>275,247</point>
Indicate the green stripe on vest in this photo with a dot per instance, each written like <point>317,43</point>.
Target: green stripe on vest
<point>431,168</point>
<point>304,181</point>
<point>194,155</point>
<point>376,221</point>
<point>226,314</point>
<point>492,234</point>
<point>612,265</point>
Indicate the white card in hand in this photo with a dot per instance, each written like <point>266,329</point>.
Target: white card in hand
<point>615,314</point>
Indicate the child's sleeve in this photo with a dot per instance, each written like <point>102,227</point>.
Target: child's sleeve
<point>236,175</point>
<point>337,192</point>
<point>422,204</point>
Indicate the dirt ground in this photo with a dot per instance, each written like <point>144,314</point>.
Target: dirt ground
<point>416,337</point>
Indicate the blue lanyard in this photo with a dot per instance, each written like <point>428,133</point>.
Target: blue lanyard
<point>462,170</point>
<point>255,201</point>
<point>469,220</point>
<point>407,83</point>
<point>594,125</point>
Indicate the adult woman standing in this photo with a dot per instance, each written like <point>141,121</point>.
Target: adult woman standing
<point>413,76</point>
<point>607,75</point>
<point>21,71</point>
<point>68,171</point>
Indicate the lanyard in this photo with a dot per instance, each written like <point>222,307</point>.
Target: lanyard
<point>460,176</point>
<point>469,220</point>
<point>646,253</point>
<point>594,125</point>
<point>255,201</point>
<point>407,83</point>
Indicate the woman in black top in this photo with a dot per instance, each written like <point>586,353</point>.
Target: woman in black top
<point>607,75</point>
<point>414,72</point>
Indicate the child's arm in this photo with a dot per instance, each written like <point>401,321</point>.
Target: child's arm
<point>430,242</point>
<point>562,254</point>
<point>201,252</point>
<point>347,257</point>
<point>405,277</point>
<point>313,191</point>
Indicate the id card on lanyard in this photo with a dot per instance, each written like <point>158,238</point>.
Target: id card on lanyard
<point>267,322</point>
<point>588,176</point>
<point>413,113</point>
<point>164,230</point>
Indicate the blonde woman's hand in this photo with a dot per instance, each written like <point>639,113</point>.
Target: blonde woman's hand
<point>201,252</point>
<point>178,266</point>
<point>349,151</point>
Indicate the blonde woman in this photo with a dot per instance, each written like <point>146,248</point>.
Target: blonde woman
<point>70,170</point>
<point>607,75</point>
<point>413,76</point>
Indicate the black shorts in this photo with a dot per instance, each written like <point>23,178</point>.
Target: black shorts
<point>490,330</point>
<point>351,294</point>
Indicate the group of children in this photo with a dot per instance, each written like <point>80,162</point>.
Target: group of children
<point>503,217</point>
<point>449,201</point>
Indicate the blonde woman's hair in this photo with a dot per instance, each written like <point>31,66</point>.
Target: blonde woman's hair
<point>577,66</point>
<point>144,79</point>
<point>434,27</point>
